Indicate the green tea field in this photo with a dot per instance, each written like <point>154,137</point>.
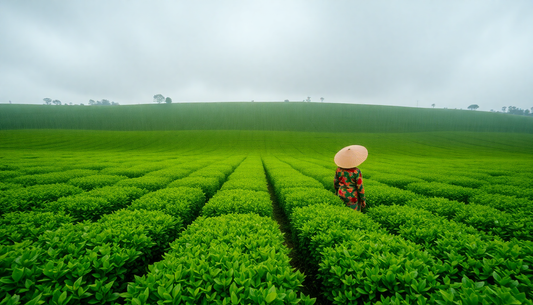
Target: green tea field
<point>234,204</point>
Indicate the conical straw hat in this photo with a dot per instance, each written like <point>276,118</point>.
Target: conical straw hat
<point>351,156</point>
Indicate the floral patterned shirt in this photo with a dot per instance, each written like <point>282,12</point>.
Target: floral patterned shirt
<point>349,186</point>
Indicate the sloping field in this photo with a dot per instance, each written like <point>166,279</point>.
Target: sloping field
<point>235,216</point>
<point>313,117</point>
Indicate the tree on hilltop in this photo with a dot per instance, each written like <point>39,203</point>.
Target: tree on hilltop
<point>433,105</point>
<point>158,98</point>
<point>473,107</point>
<point>168,100</point>
<point>504,108</point>
<point>56,102</point>
<point>47,100</point>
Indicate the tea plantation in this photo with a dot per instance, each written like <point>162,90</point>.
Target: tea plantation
<point>160,213</point>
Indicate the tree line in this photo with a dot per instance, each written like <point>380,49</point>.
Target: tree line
<point>103,102</point>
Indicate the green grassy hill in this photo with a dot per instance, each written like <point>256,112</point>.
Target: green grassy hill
<point>310,117</point>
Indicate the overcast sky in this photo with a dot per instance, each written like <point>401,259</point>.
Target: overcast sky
<point>448,53</point>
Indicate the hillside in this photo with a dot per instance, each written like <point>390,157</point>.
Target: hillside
<point>310,117</point>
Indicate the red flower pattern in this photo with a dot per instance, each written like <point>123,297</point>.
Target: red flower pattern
<point>349,187</point>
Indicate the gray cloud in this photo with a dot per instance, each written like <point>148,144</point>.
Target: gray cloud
<point>451,53</point>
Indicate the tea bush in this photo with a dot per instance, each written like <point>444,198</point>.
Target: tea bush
<point>466,251</point>
<point>35,170</point>
<point>119,196</point>
<point>252,266</point>
<point>509,190</point>
<point>253,184</point>
<point>373,267</point>
<point>439,206</point>
<point>34,197</point>
<point>51,178</point>
<point>4,175</point>
<point>208,185</point>
<point>396,180</point>
<point>8,186</point>
<point>336,222</point>
<point>181,202</point>
<point>380,194</point>
<point>81,207</point>
<point>149,183</point>
<point>173,173</point>
<point>291,198</point>
<point>239,202</point>
<point>209,173</point>
<point>96,181</point>
<point>436,189</point>
<point>16,227</point>
<point>86,263</point>
<point>509,204</point>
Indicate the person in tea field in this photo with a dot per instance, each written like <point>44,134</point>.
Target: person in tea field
<point>348,180</point>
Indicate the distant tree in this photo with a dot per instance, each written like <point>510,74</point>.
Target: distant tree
<point>308,99</point>
<point>158,98</point>
<point>286,101</point>
<point>168,100</point>
<point>473,107</point>
<point>47,100</point>
<point>106,102</point>
<point>81,104</point>
<point>92,102</point>
<point>515,110</point>
<point>526,112</point>
<point>433,105</point>
<point>70,103</point>
<point>321,99</point>
<point>56,102</point>
<point>504,108</point>
<point>114,103</point>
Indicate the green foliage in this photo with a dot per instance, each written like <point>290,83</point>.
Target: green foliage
<point>419,226</point>
<point>181,202</point>
<point>9,186</point>
<point>19,226</point>
<point>173,173</point>
<point>92,205</point>
<point>4,175</point>
<point>252,266</point>
<point>260,116</point>
<point>483,218</point>
<point>291,198</point>
<point>379,194</point>
<point>90,182</point>
<point>209,173</point>
<point>257,183</point>
<point>437,189</point>
<point>395,180</point>
<point>134,171</point>
<point>335,223</point>
<point>491,220</point>
<point>32,197</point>
<point>159,226</point>
<point>464,250</point>
<point>51,178</point>
<point>509,204</point>
<point>509,190</point>
<point>149,183</point>
<point>87,263</point>
<point>240,202</point>
<point>438,206</point>
<point>374,266</point>
<point>119,196</point>
<point>81,207</point>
